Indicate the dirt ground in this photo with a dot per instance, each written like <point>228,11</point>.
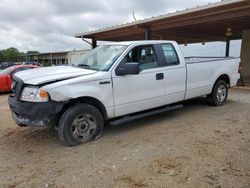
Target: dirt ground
<point>195,146</point>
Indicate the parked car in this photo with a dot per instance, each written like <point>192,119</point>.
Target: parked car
<point>115,81</point>
<point>60,65</point>
<point>6,65</point>
<point>7,75</point>
<point>32,63</point>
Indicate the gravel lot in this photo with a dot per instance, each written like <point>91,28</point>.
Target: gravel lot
<point>196,146</point>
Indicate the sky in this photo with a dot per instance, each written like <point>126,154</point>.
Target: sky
<point>50,25</point>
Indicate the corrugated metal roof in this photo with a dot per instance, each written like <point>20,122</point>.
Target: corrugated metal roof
<point>58,52</point>
<point>168,15</point>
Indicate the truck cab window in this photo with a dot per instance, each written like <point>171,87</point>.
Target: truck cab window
<point>144,55</point>
<point>170,54</point>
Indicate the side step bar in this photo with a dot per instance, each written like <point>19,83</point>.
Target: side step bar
<point>133,117</point>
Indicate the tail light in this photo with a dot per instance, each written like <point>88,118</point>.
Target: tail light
<point>239,68</point>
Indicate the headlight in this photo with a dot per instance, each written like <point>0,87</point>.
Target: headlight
<point>34,94</point>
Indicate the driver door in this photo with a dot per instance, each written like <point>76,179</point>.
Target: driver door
<point>134,93</point>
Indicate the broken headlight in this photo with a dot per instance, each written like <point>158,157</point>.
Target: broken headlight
<point>34,94</point>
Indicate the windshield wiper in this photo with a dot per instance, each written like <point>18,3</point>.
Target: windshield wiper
<point>83,65</point>
<point>86,66</point>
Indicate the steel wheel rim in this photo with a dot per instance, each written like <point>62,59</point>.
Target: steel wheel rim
<point>221,93</point>
<point>83,127</point>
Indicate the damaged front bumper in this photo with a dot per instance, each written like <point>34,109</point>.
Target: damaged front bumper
<point>35,114</point>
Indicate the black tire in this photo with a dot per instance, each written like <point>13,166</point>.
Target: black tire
<point>216,100</point>
<point>79,124</point>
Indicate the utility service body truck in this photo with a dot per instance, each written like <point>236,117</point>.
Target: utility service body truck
<point>113,81</point>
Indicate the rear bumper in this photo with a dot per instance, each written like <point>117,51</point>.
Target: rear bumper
<point>35,114</point>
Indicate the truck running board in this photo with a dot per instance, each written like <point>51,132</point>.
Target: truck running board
<point>136,116</point>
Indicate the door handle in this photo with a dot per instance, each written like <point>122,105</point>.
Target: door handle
<point>159,76</point>
<point>104,82</point>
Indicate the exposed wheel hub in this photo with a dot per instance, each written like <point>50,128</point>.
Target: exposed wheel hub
<point>83,127</point>
<point>221,93</point>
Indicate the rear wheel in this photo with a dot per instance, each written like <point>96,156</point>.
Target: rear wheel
<point>79,124</point>
<point>219,94</point>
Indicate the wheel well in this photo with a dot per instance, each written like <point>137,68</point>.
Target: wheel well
<point>225,78</point>
<point>87,100</point>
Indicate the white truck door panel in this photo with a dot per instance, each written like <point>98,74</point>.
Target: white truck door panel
<point>175,79</point>
<point>199,79</point>
<point>137,92</point>
<point>133,93</point>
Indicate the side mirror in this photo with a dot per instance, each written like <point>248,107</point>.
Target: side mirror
<point>128,68</point>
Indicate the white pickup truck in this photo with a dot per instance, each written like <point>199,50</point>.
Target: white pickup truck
<point>127,78</point>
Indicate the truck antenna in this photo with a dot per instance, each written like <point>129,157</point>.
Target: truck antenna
<point>133,13</point>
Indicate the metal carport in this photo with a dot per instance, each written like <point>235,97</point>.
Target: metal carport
<point>222,21</point>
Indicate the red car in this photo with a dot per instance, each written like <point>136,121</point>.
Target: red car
<point>7,74</point>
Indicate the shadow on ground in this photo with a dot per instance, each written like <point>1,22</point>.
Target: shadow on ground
<point>34,136</point>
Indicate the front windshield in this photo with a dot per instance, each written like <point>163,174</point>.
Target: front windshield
<point>101,58</point>
<point>6,71</point>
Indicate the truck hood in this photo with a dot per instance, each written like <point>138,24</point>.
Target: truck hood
<point>50,74</point>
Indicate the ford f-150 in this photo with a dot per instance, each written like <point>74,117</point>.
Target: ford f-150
<point>117,80</point>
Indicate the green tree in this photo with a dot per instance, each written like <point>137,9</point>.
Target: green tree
<point>29,55</point>
<point>1,56</point>
<point>11,54</point>
<point>22,56</point>
<point>32,52</point>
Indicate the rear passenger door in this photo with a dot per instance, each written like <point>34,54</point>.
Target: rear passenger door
<point>133,93</point>
<point>175,74</point>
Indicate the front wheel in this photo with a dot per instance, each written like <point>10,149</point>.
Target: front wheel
<point>219,94</point>
<point>79,124</point>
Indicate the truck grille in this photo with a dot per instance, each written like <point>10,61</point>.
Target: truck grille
<point>17,86</point>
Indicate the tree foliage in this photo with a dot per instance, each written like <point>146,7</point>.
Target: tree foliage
<point>1,56</point>
<point>32,52</point>
<point>13,55</point>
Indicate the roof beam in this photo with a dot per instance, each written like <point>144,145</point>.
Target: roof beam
<point>181,22</point>
<point>207,23</point>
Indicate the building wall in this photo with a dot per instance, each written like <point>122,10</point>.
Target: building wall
<point>75,56</point>
<point>245,56</point>
<point>51,58</point>
<point>58,58</point>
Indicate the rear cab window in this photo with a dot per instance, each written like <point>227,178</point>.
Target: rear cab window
<point>170,54</point>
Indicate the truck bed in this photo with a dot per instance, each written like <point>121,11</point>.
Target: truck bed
<point>202,73</point>
<point>203,59</point>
